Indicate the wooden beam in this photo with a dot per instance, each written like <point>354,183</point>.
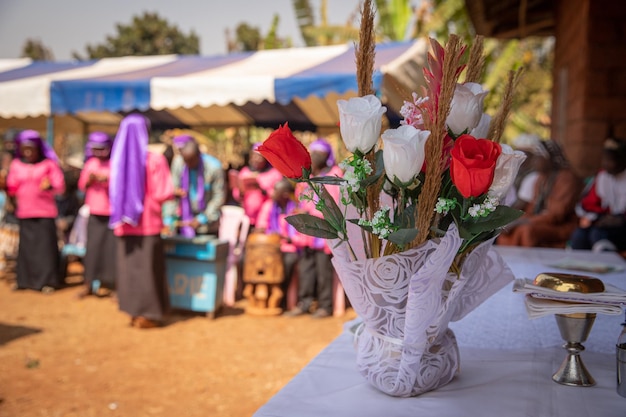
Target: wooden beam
<point>541,28</point>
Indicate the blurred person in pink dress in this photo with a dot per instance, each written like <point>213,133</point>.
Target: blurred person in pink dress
<point>99,258</point>
<point>271,220</point>
<point>34,179</point>
<point>139,184</point>
<point>315,270</point>
<point>255,184</point>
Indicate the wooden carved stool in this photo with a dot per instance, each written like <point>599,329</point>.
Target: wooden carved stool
<point>263,274</point>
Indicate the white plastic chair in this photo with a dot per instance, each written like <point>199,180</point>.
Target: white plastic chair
<point>77,240</point>
<point>234,226</point>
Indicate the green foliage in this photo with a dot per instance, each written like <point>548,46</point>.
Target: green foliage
<point>448,16</point>
<point>148,34</point>
<point>306,20</point>
<point>36,50</point>
<point>248,37</point>
<point>323,33</point>
<point>272,41</point>
<point>394,17</point>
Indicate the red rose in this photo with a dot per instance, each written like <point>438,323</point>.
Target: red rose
<point>285,152</point>
<point>473,164</point>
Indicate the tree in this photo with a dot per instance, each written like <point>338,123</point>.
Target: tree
<point>272,40</point>
<point>248,38</point>
<point>304,16</point>
<point>35,50</point>
<point>146,35</point>
<point>394,17</point>
<point>323,34</point>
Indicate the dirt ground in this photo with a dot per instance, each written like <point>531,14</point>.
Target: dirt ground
<point>64,356</point>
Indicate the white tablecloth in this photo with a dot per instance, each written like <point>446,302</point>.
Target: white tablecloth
<point>507,362</point>
<point>501,322</point>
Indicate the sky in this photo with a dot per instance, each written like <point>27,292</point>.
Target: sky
<point>67,26</point>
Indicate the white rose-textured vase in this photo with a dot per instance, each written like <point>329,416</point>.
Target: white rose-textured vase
<point>406,300</point>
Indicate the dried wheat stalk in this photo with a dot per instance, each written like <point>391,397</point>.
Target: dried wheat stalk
<point>365,56</point>
<point>496,127</point>
<point>365,50</point>
<point>434,145</point>
<point>476,61</point>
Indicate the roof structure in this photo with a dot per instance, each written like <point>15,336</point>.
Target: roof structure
<point>512,18</point>
<point>265,88</point>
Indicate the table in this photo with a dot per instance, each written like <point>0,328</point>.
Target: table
<point>511,328</point>
<point>507,362</point>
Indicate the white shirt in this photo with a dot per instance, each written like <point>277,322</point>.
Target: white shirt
<point>612,191</point>
<point>526,190</point>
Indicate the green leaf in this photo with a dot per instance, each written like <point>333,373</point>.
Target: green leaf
<point>444,223</point>
<point>312,226</point>
<point>403,236</point>
<point>371,179</point>
<point>331,211</point>
<point>328,180</point>
<point>500,217</point>
<point>406,220</point>
<point>463,232</point>
<point>362,226</point>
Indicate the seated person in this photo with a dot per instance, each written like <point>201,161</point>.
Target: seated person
<point>199,189</point>
<point>550,218</point>
<point>602,209</point>
<point>523,189</point>
<point>271,219</point>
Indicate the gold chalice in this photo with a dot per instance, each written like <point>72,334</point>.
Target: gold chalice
<point>574,327</point>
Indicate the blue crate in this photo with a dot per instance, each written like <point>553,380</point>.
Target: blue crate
<point>197,284</point>
<point>201,247</point>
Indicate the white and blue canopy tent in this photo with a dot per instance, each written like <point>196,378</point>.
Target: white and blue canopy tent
<point>265,88</point>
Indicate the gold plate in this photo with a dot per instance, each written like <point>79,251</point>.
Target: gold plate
<point>569,282</point>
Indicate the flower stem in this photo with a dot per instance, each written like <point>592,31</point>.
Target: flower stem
<point>366,246</point>
<point>352,254</point>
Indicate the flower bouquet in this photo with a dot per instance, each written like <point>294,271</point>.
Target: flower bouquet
<point>419,209</point>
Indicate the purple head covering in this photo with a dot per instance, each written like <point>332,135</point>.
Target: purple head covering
<point>34,138</point>
<point>186,213</point>
<point>182,140</point>
<point>321,145</point>
<point>97,140</point>
<point>127,183</point>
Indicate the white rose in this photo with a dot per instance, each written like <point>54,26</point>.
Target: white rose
<point>482,129</point>
<point>466,107</point>
<point>360,120</point>
<point>507,166</point>
<point>403,152</point>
